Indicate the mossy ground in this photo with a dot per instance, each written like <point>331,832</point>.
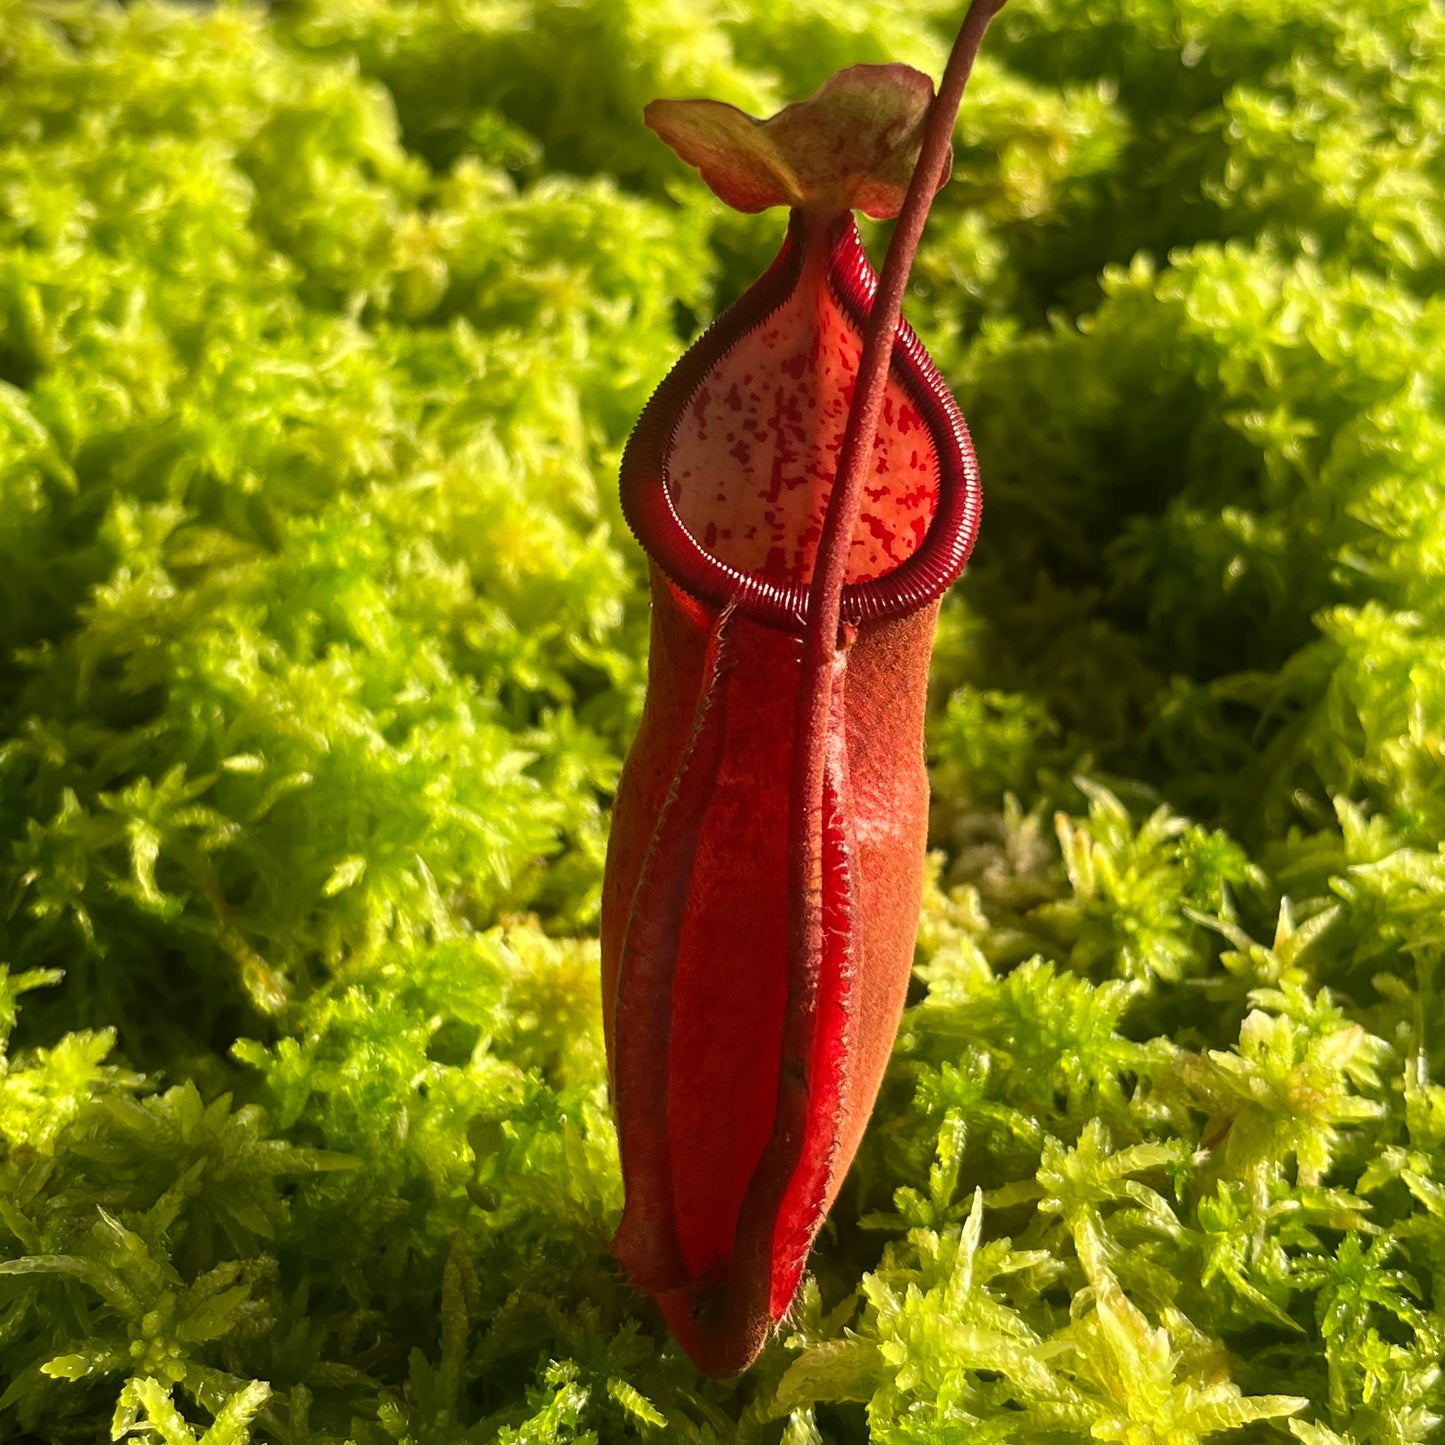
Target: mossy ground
<point>321,329</point>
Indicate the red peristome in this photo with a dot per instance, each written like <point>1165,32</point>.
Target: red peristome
<point>724,1198</point>
<point>824,260</point>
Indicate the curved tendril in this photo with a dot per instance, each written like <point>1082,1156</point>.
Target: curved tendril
<point>821,640</point>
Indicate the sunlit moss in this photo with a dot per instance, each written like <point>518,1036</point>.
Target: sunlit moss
<point>321,329</point>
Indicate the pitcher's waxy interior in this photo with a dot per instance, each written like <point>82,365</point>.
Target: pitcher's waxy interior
<point>754,454</point>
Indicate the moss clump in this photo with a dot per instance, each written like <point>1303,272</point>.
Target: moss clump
<point>321,328</point>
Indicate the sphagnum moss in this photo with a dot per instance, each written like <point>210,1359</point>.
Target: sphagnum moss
<point>321,329</point>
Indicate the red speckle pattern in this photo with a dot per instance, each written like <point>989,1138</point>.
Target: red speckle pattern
<point>754,454</point>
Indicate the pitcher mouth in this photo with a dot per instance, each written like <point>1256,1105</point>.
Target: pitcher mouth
<point>782,602</point>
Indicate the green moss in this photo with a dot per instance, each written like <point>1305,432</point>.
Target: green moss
<point>321,329</point>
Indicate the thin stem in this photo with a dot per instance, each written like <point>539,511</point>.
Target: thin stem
<point>739,1326</point>
<point>821,640</point>
<point>825,593</point>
